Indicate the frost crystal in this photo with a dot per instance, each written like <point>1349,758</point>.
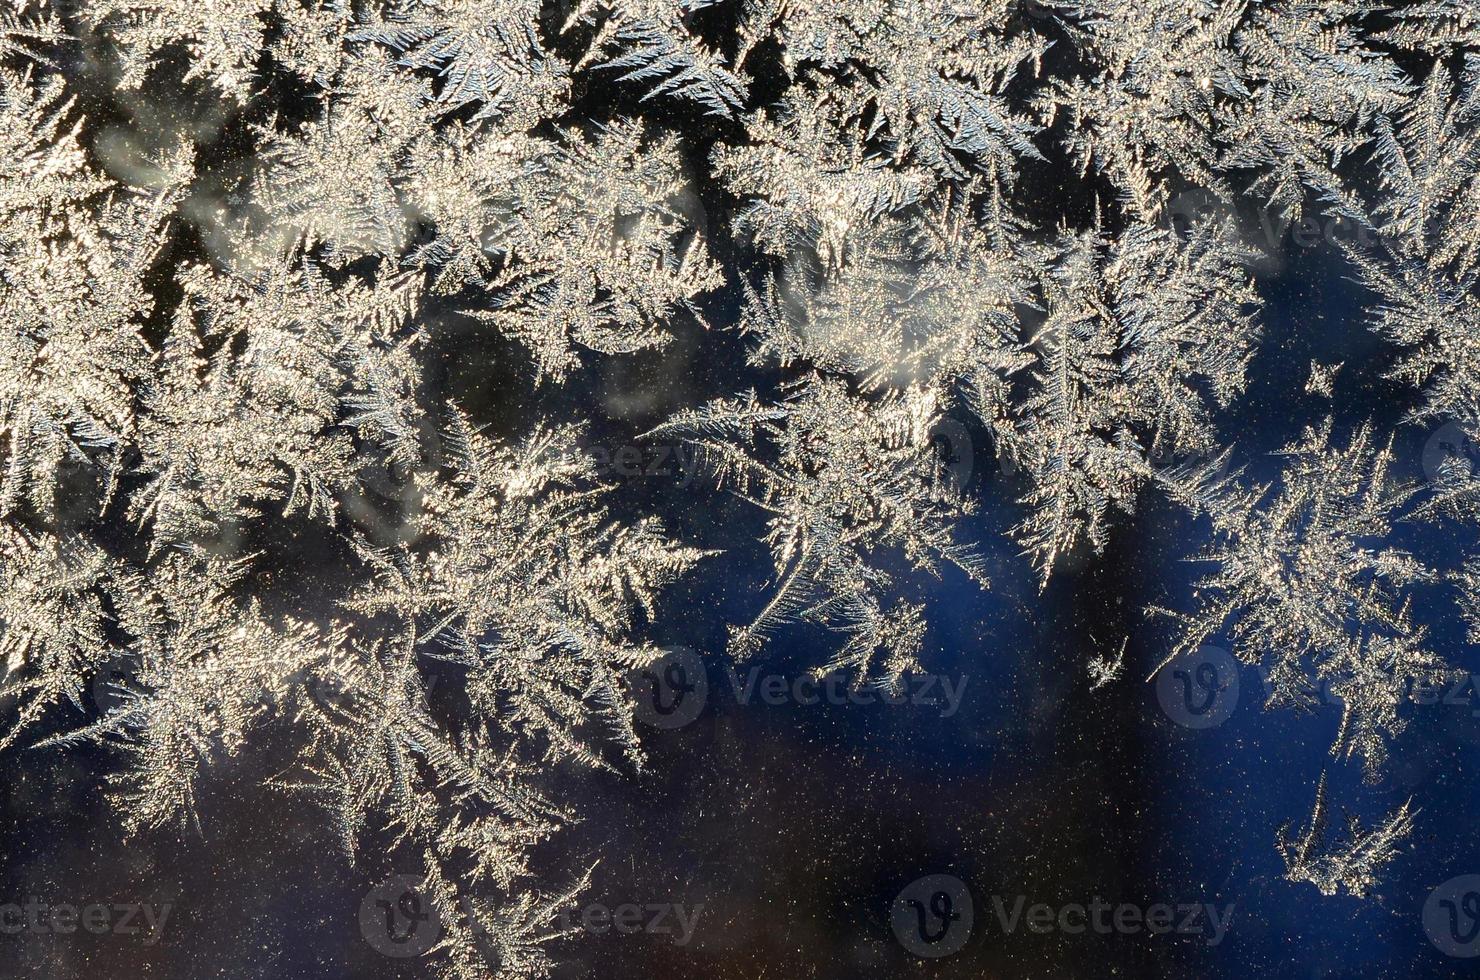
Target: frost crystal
<point>1352,861</point>
<point>1304,584</point>
<point>233,335</point>
<point>839,477</point>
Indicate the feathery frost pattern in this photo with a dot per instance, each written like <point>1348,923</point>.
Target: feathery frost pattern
<point>239,331</point>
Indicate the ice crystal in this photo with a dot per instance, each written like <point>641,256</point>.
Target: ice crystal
<point>1351,862</point>
<point>524,580</point>
<point>1305,584</point>
<point>488,54</point>
<point>1135,329</point>
<point>931,208</point>
<point>72,297</point>
<point>597,250</point>
<point>840,477</point>
<point>262,417</point>
<point>654,45</point>
<point>223,40</point>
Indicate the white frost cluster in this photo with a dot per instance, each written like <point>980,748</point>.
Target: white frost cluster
<point>193,347</point>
